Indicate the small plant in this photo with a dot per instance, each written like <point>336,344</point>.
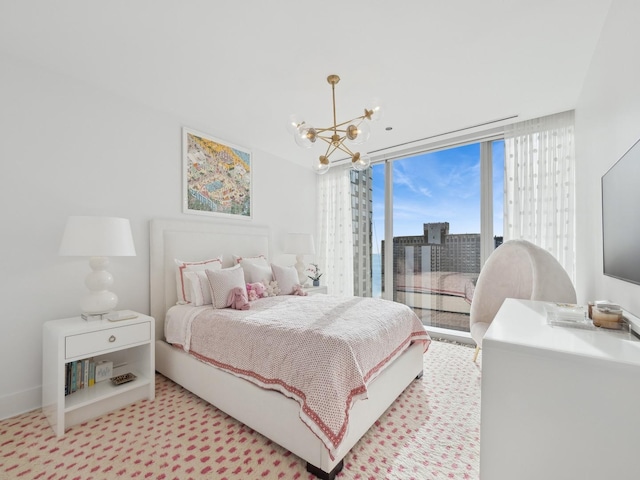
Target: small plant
<point>313,272</point>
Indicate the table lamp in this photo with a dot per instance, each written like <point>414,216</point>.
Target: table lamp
<point>300,244</point>
<point>98,238</point>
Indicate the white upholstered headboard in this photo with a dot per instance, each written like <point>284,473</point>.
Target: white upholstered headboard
<point>193,241</point>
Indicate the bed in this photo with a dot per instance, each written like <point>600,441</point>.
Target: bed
<point>269,412</point>
<point>441,291</point>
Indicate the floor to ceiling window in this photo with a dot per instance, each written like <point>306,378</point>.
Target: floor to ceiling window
<point>443,217</point>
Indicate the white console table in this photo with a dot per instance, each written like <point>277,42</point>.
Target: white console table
<point>557,402</point>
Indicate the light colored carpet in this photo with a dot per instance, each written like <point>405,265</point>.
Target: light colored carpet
<point>432,431</point>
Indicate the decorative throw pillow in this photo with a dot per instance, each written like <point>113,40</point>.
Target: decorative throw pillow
<point>222,282</point>
<point>183,290</point>
<point>199,287</point>
<point>256,272</point>
<point>287,278</point>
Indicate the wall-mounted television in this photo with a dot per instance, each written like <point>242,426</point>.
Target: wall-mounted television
<point>621,217</point>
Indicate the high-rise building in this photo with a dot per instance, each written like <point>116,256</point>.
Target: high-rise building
<point>437,251</point>
<point>434,273</point>
<point>362,212</point>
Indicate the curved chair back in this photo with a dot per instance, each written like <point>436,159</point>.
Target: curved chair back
<point>517,269</point>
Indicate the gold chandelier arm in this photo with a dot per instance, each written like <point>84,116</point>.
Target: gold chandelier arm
<point>336,146</point>
<point>335,128</point>
<point>332,147</point>
<point>344,148</point>
<point>350,121</point>
<point>328,129</point>
<point>325,139</point>
<point>330,150</point>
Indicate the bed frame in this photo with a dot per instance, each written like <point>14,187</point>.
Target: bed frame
<point>265,411</point>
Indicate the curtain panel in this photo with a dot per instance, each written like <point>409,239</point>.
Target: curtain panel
<point>335,251</point>
<point>539,195</point>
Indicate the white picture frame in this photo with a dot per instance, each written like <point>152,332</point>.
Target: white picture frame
<point>217,177</point>
<point>104,371</point>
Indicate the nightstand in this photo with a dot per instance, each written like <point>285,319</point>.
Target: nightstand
<point>128,344</point>
<point>315,290</point>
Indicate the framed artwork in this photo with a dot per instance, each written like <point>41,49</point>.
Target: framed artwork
<point>216,177</point>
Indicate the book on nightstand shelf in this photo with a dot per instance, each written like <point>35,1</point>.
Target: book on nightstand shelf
<point>78,375</point>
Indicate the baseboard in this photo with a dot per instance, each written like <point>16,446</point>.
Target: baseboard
<point>21,402</point>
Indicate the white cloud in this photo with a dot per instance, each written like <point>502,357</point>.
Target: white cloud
<point>401,179</point>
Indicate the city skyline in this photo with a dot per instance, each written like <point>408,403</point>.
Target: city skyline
<point>442,186</point>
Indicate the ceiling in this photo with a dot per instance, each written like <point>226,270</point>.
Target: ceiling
<point>238,69</point>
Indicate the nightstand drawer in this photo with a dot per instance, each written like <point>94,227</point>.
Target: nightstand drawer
<point>92,343</point>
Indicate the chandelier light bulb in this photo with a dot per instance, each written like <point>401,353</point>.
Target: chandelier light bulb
<point>305,136</point>
<point>376,111</point>
<point>358,134</point>
<point>323,165</point>
<point>360,162</point>
<point>294,124</point>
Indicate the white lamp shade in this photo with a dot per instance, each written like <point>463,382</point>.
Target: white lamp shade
<point>97,237</point>
<point>300,244</point>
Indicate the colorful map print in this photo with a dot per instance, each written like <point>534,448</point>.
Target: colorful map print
<point>218,177</point>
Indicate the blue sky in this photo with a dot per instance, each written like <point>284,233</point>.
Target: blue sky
<point>442,186</point>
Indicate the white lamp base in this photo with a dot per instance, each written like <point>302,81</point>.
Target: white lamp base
<point>302,278</point>
<point>99,300</point>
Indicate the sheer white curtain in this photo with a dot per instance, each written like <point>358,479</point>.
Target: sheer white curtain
<point>335,232</point>
<point>540,185</point>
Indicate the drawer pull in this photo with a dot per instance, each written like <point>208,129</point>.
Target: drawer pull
<point>112,338</point>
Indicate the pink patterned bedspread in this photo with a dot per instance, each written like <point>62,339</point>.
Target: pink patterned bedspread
<point>320,350</point>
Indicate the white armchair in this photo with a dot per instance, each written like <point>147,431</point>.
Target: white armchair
<point>516,269</point>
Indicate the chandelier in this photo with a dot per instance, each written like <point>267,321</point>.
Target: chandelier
<point>354,131</point>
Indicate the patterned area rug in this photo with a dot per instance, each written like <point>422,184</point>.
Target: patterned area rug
<point>432,431</point>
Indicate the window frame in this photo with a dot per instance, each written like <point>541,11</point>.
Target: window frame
<point>487,241</point>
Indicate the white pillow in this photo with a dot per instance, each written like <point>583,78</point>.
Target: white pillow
<point>255,259</point>
<point>183,290</point>
<point>287,278</point>
<point>222,282</point>
<point>256,272</point>
<point>199,287</point>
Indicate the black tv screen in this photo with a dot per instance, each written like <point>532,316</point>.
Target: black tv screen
<point>621,217</point>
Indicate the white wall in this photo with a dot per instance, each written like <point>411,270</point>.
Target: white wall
<point>67,148</point>
<point>607,124</point>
